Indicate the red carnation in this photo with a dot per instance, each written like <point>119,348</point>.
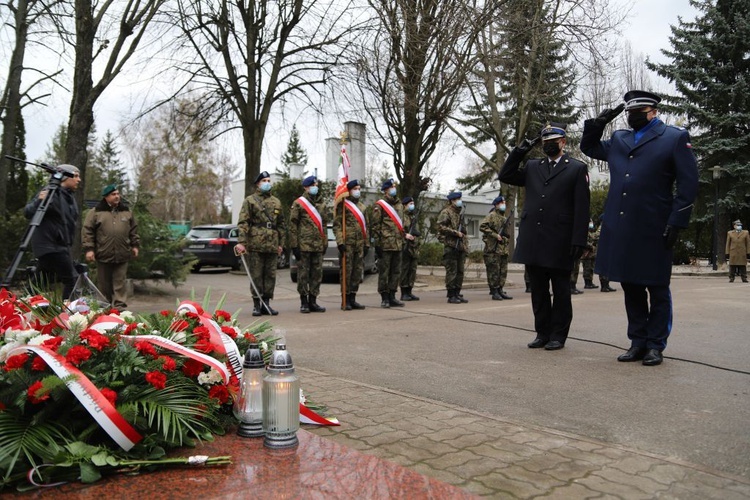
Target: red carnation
<point>38,364</point>
<point>16,362</point>
<point>114,311</point>
<point>131,326</point>
<point>168,364</point>
<point>165,313</point>
<point>109,394</point>
<point>229,331</point>
<point>205,346</point>
<point>53,343</point>
<point>221,316</point>
<point>77,355</point>
<point>192,368</point>
<point>94,339</point>
<point>220,393</point>
<point>250,337</point>
<point>146,348</point>
<point>33,390</point>
<point>179,325</point>
<point>2,406</point>
<point>201,332</point>
<point>157,379</point>
<point>191,315</point>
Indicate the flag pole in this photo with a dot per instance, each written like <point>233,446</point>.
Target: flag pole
<point>343,257</point>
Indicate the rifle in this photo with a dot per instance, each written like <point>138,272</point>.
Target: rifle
<point>461,228</point>
<point>502,228</point>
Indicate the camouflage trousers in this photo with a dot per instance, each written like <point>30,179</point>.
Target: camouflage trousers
<point>355,268</point>
<point>588,270</point>
<point>408,269</point>
<point>574,273</point>
<point>262,267</point>
<point>496,266</point>
<point>389,271</point>
<point>309,273</point>
<point>454,262</point>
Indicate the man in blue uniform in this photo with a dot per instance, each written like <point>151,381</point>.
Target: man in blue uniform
<point>552,233</point>
<point>653,184</point>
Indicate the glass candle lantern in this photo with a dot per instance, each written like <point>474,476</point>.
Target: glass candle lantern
<point>280,401</point>
<point>249,407</point>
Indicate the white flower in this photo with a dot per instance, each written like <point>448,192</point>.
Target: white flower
<point>78,322</point>
<point>6,349</point>
<point>20,336</point>
<point>212,377</point>
<point>127,316</point>
<point>182,312</point>
<point>264,346</point>
<point>40,339</point>
<point>178,337</point>
<point>302,397</point>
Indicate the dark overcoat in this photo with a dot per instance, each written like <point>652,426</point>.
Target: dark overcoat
<point>652,184</point>
<point>555,213</point>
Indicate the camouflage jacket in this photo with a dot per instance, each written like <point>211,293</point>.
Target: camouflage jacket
<point>448,222</point>
<point>354,234</point>
<point>384,231</point>
<point>490,227</point>
<point>261,224</point>
<point>592,241</point>
<point>303,233</point>
<point>412,247</point>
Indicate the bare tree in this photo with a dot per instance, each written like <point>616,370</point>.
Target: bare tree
<point>247,56</point>
<point>410,69</point>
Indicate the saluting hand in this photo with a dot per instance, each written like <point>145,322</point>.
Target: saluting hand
<point>607,115</point>
<point>528,144</point>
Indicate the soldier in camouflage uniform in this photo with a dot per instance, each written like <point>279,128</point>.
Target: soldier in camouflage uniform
<point>354,245</point>
<point>308,240</point>
<point>262,232</point>
<point>496,237</point>
<point>388,235</point>
<point>452,234</point>
<point>410,252</point>
<point>589,256</point>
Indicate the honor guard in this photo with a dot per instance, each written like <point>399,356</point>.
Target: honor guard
<point>452,234</point>
<point>496,237</point>
<point>388,236</point>
<point>351,228</point>
<point>410,253</point>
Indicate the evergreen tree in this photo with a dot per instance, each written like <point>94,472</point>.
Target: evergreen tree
<point>710,69</point>
<point>106,163</point>
<point>295,154</point>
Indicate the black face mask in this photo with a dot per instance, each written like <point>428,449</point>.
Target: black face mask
<point>637,119</point>
<point>551,149</point>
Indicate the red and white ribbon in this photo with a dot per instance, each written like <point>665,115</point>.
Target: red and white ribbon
<point>90,397</point>
<point>307,416</point>
<point>358,215</point>
<point>387,208</point>
<point>103,324</point>
<point>312,212</point>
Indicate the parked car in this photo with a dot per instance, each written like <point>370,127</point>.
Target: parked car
<point>213,245</point>
<point>331,266</point>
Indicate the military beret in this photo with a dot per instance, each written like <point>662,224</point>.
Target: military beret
<point>352,183</point>
<point>108,189</point>
<point>553,131</point>
<point>498,200</point>
<point>407,200</point>
<point>454,195</point>
<point>389,183</point>
<point>261,176</point>
<point>640,99</point>
<point>737,222</point>
<point>309,181</point>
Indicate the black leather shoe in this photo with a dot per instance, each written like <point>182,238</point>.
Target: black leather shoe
<point>575,291</point>
<point>537,343</point>
<point>653,357</point>
<point>633,354</point>
<point>554,345</point>
<point>504,295</point>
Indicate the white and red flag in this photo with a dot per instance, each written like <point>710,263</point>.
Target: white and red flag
<point>341,189</point>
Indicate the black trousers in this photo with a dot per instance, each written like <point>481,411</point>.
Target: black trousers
<point>552,315</point>
<point>649,310</point>
<point>56,267</point>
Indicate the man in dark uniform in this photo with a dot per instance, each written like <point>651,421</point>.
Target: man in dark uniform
<point>388,236</point>
<point>308,239</point>
<point>262,231</point>
<point>410,253</point>
<point>353,242</point>
<point>552,233</point>
<point>653,184</point>
<point>452,234</point>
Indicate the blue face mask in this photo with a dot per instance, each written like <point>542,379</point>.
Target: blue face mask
<point>392,191</point>
<point>738,228</point>
<point>356,193</point>
<point>591,226</point>
<point>410,207</point>
<point>313,190</point>
<point>501,207</point>
<point>265,187</point>
<point>459,203</point>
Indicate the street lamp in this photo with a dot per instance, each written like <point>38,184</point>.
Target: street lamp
<point>716,176</point>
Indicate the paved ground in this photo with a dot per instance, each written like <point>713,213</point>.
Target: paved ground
<point>451,391</point>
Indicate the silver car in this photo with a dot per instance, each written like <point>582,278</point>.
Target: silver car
<point>331,265</point>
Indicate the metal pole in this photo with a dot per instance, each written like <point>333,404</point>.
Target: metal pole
<point>716,224</point>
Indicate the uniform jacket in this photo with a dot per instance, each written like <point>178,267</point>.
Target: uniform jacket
<point>490,227</point>
<point>448,222</point>
<point>110,233</point>
<point>411,247</point>
<point>303,233</point>
<point>641,201</point>
<point>384,231</point>
<point>555,214</point>
<point>261,223</point>
<point>738,247</point>
<point>354,236</point>
<point>57,229</point>
<point>592,242</point>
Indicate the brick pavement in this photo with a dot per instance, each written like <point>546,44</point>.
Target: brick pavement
<point>492,457</point>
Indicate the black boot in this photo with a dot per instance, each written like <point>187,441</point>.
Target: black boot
<point>303,304</point>
<point>405,296</point>
<point>267,309</point>
<point>313,304</point>
<point>528,288</point>
<point>590,284</point>
<point>256,307</point>
<point>504,295</point>
<point>353,302</point>
<point>385,302</point>
<point>460,297</point>
<point>347,303</point>
<point>394,302</point>
<point>453,297</point>
<point>574,290</point>
<point>411,295</point>
<point>496,294</point>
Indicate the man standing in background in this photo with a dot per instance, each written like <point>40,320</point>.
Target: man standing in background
<point>410,253</point>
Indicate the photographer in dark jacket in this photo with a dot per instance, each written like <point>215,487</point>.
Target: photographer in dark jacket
<point>54,236</point>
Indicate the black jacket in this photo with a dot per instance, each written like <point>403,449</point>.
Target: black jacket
<point>555,214</point>
<point>56,231</point>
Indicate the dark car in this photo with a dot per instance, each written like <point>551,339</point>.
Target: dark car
<point>331,266</point>
<point>213,245</point>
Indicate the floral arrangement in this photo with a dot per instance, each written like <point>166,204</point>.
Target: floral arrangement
<point>86,392</point>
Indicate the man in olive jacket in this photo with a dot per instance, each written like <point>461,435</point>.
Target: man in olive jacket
<point>738,251</point>
<point>452,234</point>
<point>388,235</point>
<point>110,238</point>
